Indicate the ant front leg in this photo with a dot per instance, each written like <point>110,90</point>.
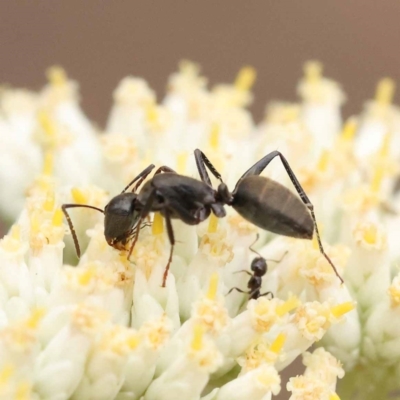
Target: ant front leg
<point>164,168</point>
<point>259,166</point>
<point>237,289</point>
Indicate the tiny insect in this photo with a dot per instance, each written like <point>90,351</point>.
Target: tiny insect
<point>265,202</point>
<point>173,195</point>
<point>259,268</point>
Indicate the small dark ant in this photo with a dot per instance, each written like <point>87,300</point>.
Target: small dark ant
<point>259,268</point>
<point>265,202</point>
<point>173,195</point>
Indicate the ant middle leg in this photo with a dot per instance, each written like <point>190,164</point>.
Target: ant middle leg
<point>260,165</point>
<point>171,238</point>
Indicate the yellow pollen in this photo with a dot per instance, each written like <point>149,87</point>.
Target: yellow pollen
<point>323,161</point>
<point>23,391</point>
<point>15,232</point>
<point>342,309</point>
<point>85,277</point>
<point>56,76</point>
<point>214,136</point>
<point>78,196</point>
<point>212,223</point>
<point>370,234</point>
<point>5,374</point>
<point>57,218</point>
<point>133,342</point>
<point>289,305</point>
<point>35,225</point>
<point>198,333</point>
<point>385,148</point>
<point>188,68</point>
<point>377,178</point>
<point>35,318</point>
<point>50,201</point>
<point>48,163</point>
<point>245,79</point>
<point>152,113</point>
<point>349,129</point>
<point>385,91</point>
<point>313,71</point>
<point>181,162</point>
<point>158,224</point>
<point>46,123</point>
<point>278,343</point>
<point>213,286</point>
<point>334,396</point>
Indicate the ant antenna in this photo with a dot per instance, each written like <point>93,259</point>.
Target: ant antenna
<point>71,226</point>
<point>251,246</point>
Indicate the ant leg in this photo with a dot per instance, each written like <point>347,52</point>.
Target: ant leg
<point>144,213</point>
<point>202,161</point>
<point>164,168</point>
<point>243,270</point>
<point>266,294</point>
<point>71,227</point>
<point>171,238</point>
<point>238,290</point>
<point>140,177</point>
<point>259,166</point>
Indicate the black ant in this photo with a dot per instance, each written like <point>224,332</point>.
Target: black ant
<point>259,268</point>
<point>173,195</point>
<point>265,202</point>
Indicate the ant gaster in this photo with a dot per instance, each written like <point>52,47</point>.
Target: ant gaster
<point>265,202</point>
<point>259,268</point>
<point>173,195</point>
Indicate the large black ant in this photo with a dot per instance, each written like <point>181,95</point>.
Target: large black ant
<point>259,268</point>
<point>173,195</point>
<point>265,202</point>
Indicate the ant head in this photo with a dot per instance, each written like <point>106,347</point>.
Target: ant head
<point>121,216</point>
<point>259,266</point>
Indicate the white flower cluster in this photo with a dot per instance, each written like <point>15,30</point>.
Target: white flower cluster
<point>105,329</point>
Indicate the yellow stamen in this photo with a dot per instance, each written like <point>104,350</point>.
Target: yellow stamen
<point>188,68</point>
<point>349,129</point>
<point>342,309</point>
<point>48,163</point>
<point>86,276</point>
<point>377,178</point>
<point>23,391</point>
<point>212,223</point>
<point>214,136</point>
<point>323,161</point>
<point>198,333</point>
<point>289,305</point>
<point>49,202</point>
<point>181,162</point>
<point>56,75</point>
<point>334,396</point>
<point>278,343</point>
<point>152,113</point>
<point>35,225</point>
<point>213,286</point>
<point>35,318</point>
<point>385,147</point>
<point>370,234</point>
<point>46,123</point>
<point>78,196</point>
<point>57,218</point>
<point>133,341</point>
<point>385,91</point>
<point>313,71</point>
<point>5,374</point>
<point>158,224</point>
<point>15,232</point>
<point>245,79</point>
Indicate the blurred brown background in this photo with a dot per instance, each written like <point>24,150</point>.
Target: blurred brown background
<point>100,42</point>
